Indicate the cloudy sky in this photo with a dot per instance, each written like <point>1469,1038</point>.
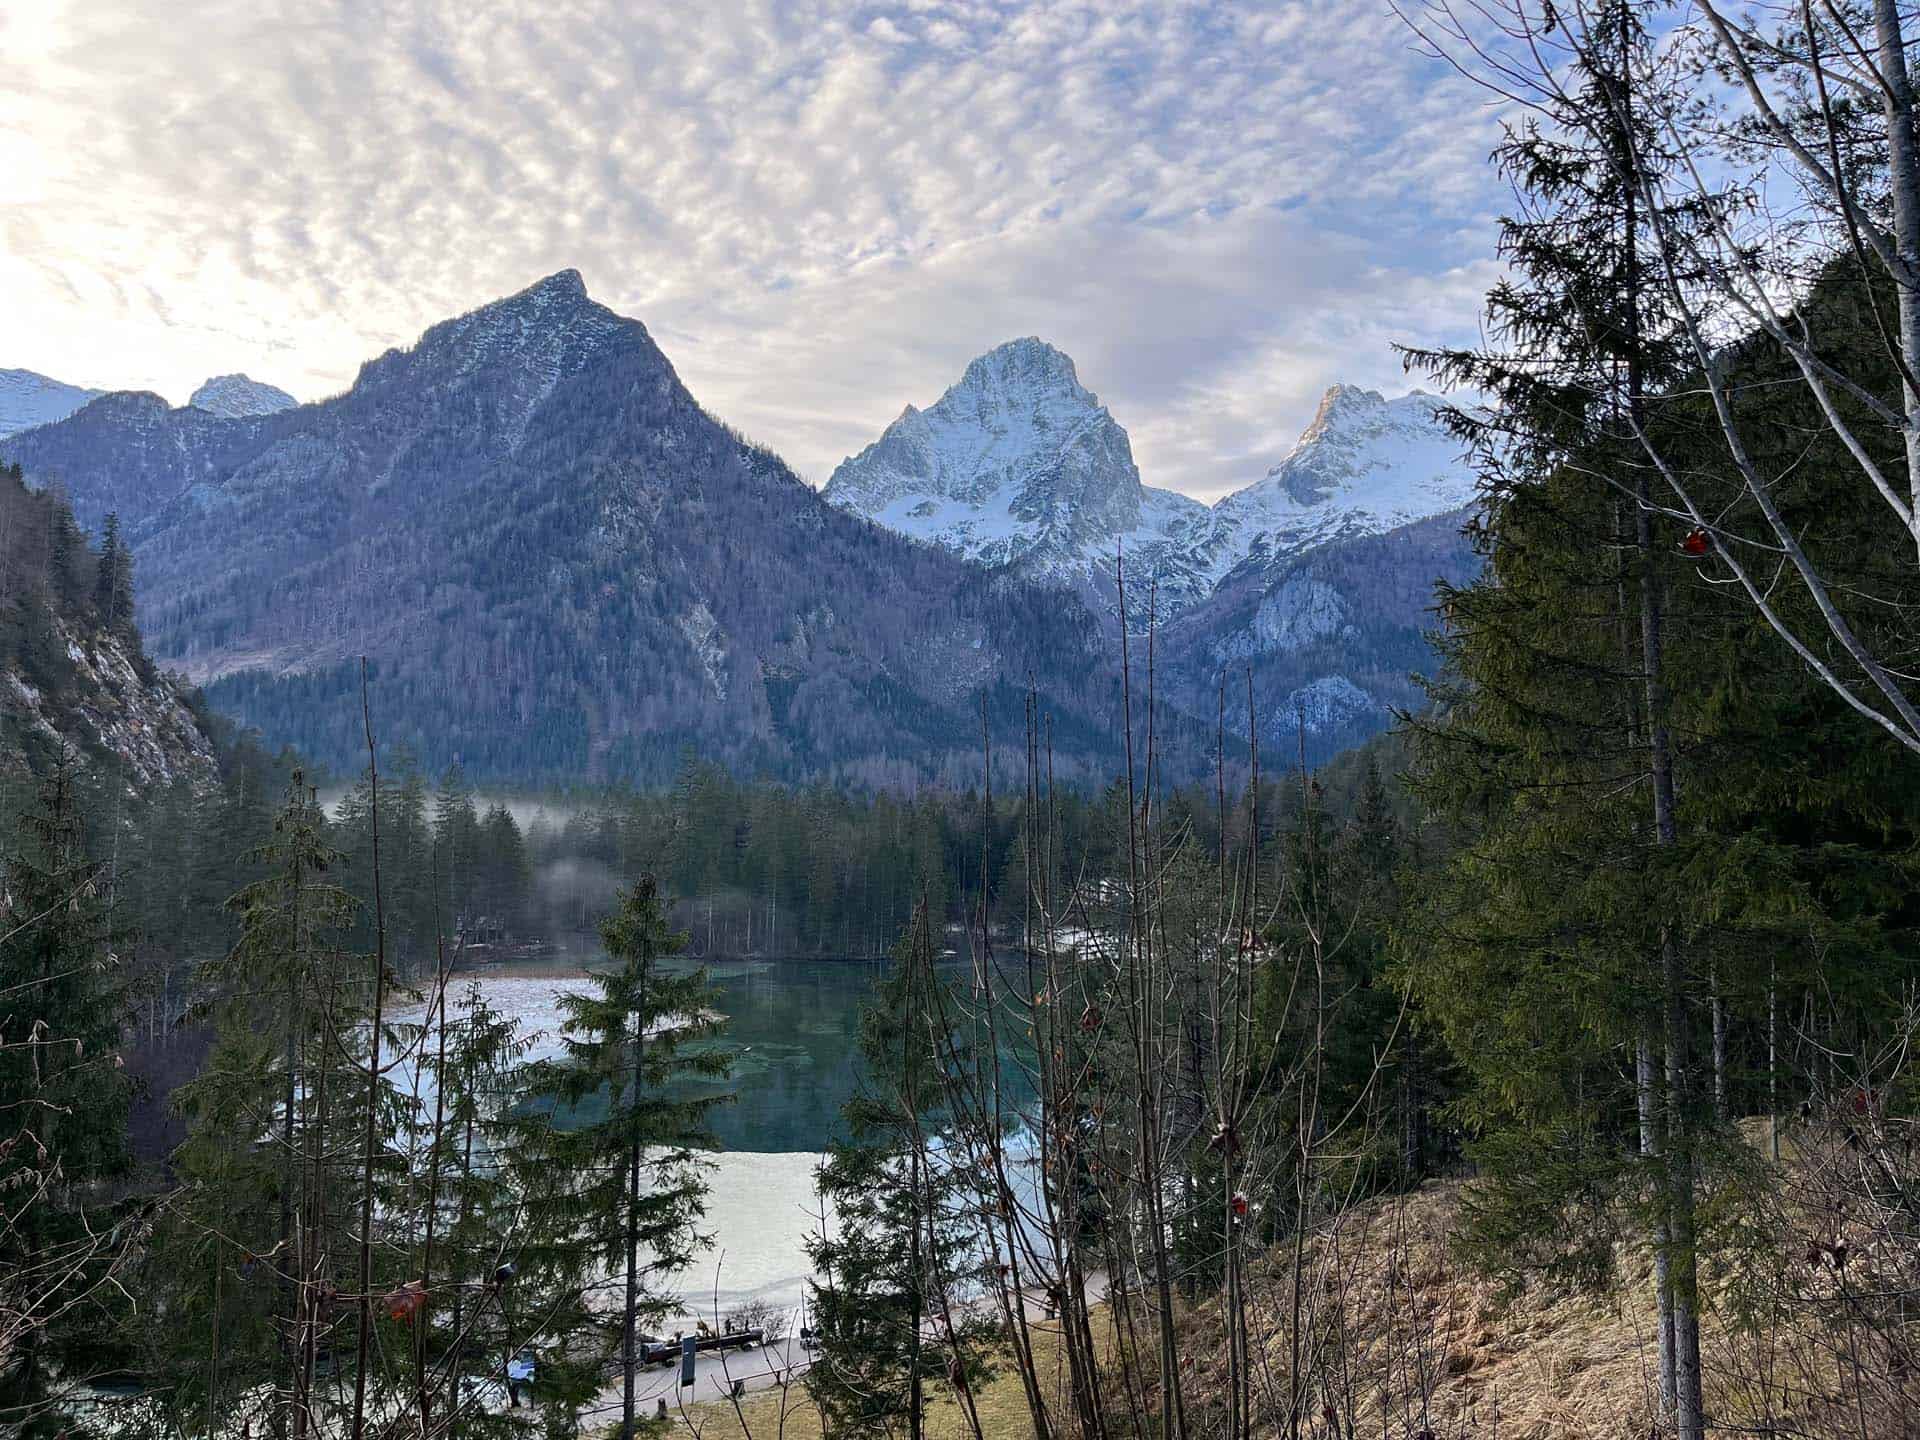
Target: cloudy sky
<point>821,209</point>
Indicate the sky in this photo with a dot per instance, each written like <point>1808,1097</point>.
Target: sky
<point>820,210</point>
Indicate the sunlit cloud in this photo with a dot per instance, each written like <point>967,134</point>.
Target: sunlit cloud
<point>820,210</point>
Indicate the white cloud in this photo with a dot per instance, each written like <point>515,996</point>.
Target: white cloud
<point>821,209</point>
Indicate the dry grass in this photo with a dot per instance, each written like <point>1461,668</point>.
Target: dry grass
<point>1002,1402</point>
<point>1401,1338</point>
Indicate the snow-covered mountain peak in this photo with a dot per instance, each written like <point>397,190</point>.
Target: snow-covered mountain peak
<point>1024,369</point>
<point>1020,464</point>
<point>1017,463</point>
<point>28,399</point>
<point>234,397</point>
<point>1365,464</point>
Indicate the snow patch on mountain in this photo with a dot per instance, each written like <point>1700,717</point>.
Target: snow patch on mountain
<point>28,399</point>
<point>709,642</point>
<point>232,397</point>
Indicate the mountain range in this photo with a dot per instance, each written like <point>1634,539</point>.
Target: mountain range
<point>28,399</point>
<point>560,566</point>
<point>1019,466</point>
<point>1312,584</point>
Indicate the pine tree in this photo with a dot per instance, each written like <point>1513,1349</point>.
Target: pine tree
<point>456,834</point>
<point>113,580</point>
<point>479,1224</point>
<point>295,1135</point>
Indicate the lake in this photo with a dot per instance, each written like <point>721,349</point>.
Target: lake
<point>792,1032</point>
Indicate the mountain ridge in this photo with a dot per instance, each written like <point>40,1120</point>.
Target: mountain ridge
<point>559,565</point>
<point>28,398</point>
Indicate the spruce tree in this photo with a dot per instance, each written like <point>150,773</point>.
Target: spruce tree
<point>621,1142</point>
<point>268,1122</point>
<point>1583,340</point>
<point>896,1260</point>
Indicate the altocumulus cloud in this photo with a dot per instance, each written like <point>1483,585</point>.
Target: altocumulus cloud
<point>822,210</point>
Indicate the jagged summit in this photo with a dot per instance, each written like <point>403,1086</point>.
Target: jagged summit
<point>514,353</point>
<point>234,397</point>
<point>561,282</point>
<point>1019,464</point>
<point>552,327</point>
<point>1028,365</point>
<point>1366,463</point>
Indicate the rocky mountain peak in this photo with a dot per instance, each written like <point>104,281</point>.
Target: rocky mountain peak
<point>232,397</point>
<point>1363,449</point>
<point>1025,369</point>
<point>549,329</point>
<point>1016,462</point>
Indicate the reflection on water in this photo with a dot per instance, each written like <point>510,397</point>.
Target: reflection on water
<point>792,1034</point>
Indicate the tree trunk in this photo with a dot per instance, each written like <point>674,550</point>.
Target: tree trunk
<point>373,1086</point>
<point>629,1319</point>
<point>1681,1271</point>
<point>1681,1276</point>
<point>1719,1007</point>
<point>1903,164</point>
<point>1773,1062</point>
<point>290,1341</point>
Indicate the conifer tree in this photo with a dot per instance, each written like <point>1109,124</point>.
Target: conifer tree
<point>456,833</point>
<point>63,1101</point>
<point>1583,340</point>
<point>621,1145</point>
<point>898,1255</point>
<point>267,1213</point>
<point>113,579</point>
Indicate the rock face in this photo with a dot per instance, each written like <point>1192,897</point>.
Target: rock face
<point>1329,636</point>
<point>233,396</point>
<point>559,566</point>
<point>75,692</point>
<point>27,399</point>
<point>108,711</point>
